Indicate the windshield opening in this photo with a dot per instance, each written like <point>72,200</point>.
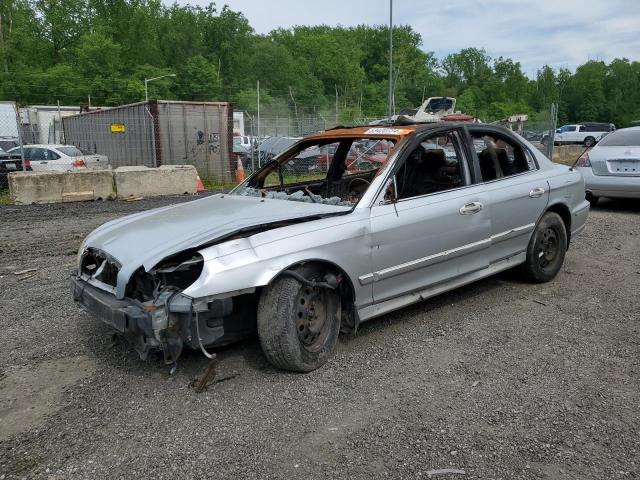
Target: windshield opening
<point>327,171</point>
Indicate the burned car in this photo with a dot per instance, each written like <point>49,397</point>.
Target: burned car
<point>298,254</point>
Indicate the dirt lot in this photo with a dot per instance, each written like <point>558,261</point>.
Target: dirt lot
<point>500,379</point>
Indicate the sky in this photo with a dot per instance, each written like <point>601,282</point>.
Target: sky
<point>560,33</point>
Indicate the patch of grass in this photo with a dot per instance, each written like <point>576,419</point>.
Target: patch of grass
<point>5,197</point>
<point>214,185</point>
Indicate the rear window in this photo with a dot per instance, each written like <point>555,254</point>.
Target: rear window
<point>70,151</point>
<point>621,138</point>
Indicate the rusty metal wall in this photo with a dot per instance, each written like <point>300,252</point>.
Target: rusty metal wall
<point>160,133</point>
<point>94,132</point>
<point>198,134</point>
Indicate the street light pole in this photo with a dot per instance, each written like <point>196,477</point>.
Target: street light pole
<point>147,80</point>
<point>390,99</point>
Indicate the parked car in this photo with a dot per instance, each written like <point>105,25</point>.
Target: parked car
<point>10,162</point>
<point>612,167</point>
<point>60,158</point>
<point>7,143</point>
<point>586,134</point>
<point>532,136</point>
<point>243,140</point>
<point>300,258</point>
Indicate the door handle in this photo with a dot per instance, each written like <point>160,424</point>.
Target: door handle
<point>536,192</point>
<point>470,208</point>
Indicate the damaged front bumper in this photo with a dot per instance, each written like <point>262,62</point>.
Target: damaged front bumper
<point>168,322</point>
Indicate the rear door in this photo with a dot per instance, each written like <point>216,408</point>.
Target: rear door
<point>438,228</point>
<point>517,192</point>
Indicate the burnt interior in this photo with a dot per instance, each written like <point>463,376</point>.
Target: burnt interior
<point>345,172</point>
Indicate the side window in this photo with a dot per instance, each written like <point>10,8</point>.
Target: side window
<point>500,156</point>
<point>38,154</point>
<point>51,155</point>
<point>433,166</point>
<point>583,128</point>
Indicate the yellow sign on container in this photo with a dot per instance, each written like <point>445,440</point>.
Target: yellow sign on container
<point>118,128</point>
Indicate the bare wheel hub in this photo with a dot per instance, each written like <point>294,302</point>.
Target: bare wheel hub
<point>311,316</point>
<point>547,247</point>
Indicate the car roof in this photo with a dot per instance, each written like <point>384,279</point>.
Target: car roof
<point>45,145</point>
<point>396,131</point>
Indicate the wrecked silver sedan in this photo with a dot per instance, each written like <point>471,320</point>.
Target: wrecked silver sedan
<point>345,225</point>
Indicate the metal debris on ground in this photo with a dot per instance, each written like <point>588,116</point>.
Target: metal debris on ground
<point>207,377</point>
<point>24,277</point>
<point>28,270</point>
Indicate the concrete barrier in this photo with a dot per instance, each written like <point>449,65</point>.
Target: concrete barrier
<point>55,187</point>
<point>152,182</point>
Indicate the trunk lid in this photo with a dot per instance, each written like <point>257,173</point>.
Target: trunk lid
<point>616,161</point>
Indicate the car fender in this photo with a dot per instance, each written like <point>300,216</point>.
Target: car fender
<point>248,263</point>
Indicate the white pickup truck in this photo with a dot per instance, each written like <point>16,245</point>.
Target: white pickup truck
<point>587,134</point>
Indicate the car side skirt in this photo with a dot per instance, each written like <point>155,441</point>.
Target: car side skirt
<point>390,305</point>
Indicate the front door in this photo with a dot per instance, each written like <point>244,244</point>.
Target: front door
<point>439,226</point>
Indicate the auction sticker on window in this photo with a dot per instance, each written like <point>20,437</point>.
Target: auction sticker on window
<point>387,131</point>
<point>118,128</point>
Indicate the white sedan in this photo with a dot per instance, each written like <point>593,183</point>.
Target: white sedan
<point>60,158</point>
<point>612,168</point>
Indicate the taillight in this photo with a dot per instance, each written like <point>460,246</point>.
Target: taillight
<point>26,163</point>
<point>584,161</point>
<point>78,163</point>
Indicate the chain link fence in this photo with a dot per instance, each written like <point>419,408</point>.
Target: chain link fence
<point>223,145</point>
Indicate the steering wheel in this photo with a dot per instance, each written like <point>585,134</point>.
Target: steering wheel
<point>357,190</point>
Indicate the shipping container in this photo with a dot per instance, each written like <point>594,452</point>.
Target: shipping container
<point>158,133</point>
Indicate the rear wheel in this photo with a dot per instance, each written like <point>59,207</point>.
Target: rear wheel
<point>589,142</point>
<point>546,249</point>
<point>298,324</point>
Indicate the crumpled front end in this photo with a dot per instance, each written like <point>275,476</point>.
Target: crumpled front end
<point>155,314</point>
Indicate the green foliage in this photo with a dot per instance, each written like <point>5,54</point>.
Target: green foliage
<point>68,50</point>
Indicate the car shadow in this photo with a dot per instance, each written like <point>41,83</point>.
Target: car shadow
<point>618,205</point>
<point>244,356</point>
<point>445,300</point>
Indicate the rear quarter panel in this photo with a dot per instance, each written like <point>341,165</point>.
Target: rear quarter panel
<point>566,187</point>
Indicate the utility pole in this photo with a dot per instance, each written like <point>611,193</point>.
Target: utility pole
<point>336,104</point>
<point>390,99</point>
<point>259,163</point>
<point>146,83</point>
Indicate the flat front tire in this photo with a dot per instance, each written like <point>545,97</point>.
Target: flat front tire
<point>546,249</point>
<point>298,324</point>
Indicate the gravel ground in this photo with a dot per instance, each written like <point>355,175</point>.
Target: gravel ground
<point>501,379</point>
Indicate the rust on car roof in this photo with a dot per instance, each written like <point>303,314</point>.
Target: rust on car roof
<point>369,131</point>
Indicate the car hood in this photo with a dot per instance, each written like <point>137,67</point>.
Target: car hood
<point>144,239</point>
